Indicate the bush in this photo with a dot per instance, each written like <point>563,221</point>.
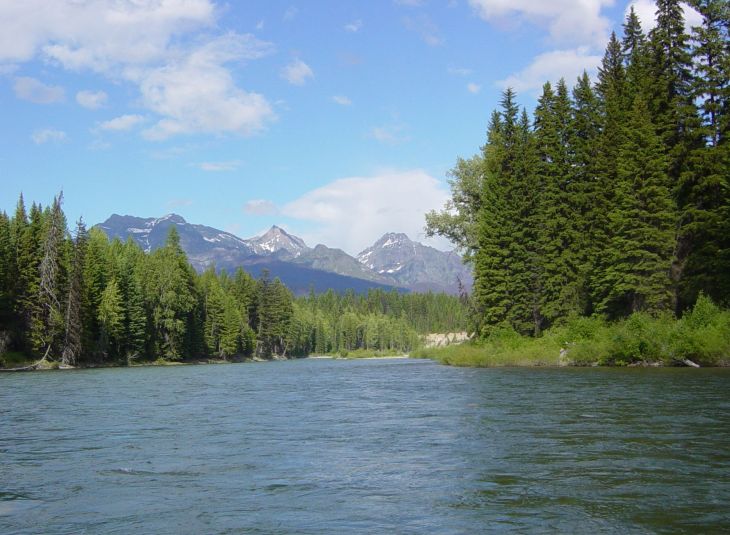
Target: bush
<point>702,335</point>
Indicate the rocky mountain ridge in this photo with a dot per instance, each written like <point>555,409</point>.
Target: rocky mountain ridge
<point>394,261</point>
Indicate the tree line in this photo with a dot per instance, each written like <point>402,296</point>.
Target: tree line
<point>614,197</point>
<point>77,298</point>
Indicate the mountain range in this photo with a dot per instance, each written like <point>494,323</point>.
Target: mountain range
<point>394,261</point>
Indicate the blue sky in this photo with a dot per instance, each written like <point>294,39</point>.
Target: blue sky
<point>337,119</point>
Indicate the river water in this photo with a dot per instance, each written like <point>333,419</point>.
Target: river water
<point>364,446</point>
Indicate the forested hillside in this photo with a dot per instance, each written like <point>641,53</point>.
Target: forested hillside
<point>75,298</point>
<point>614,197</point>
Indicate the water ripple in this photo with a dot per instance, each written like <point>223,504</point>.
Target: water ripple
<point>377,446</point>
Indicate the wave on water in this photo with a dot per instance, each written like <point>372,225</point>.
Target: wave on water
<point>135,472</point>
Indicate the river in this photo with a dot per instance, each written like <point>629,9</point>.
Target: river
<point>364,446</point>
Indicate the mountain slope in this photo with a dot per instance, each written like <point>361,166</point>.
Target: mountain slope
<point>283,255</point>
<point>205,246</point>
<point>416,266</point>
<point>393,261</point>
<point>276,241</point>
<point>338,261</point>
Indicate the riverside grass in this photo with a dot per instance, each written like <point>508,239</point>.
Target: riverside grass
<point>701,336</point>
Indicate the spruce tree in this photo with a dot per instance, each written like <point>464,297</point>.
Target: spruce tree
<point>491,274</point>
<point>74,324</point>
<point>47,319</point>
<point>6,303</point>
<point>636,59</point>
<point>558,206</point>
<point>28,259</point>
<point>171,294</point>
<point>610,89</point>
<point>97,273</point>
<point>671,102</point>
<point>507,280</point>
<point>111,320</point>
<point>703,188</point>
<point>135,319</point>
<point>637,277</point>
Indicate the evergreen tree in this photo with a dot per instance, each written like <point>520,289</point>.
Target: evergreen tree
<point>588,197</point>
<point>610,89</point>
<point>47,318</point>
<point>6,261</point>
<point>274,312</point>
<point>506,275</point>
<point>671,103</point>
<point>232,329</point>
<point>135,318</point>
<point>640,252</point>
<point>636,59</point>
<point>111,319</point>
<point>703,187</point>
<point>96,277</point>
<point>28,260</point>
<point>74,325</point>
<point>558,206</point>
<point>171,297</point>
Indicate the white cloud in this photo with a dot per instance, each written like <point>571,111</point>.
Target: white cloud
<point>576,22</point>
<point>291,13</point>
<point>646,11</point>
<point>551,66</point>
<point>91,100</point>
<point>459,71</point>
<point>351,213</point>
<point>219,166</point>
<point>390,134</point>
<point>47,135</point>
<point>353,26</point>
<point>342,100</point>
<point>426,28</point>
<point>121,123</point>
<point>297,72</point>
<point>473,88</point>
<point>260,25</point>
<point>139,41</point>
<point>260,207</point>
<point>97,34</point>
<point>33,90</point>
<point>197,94</point>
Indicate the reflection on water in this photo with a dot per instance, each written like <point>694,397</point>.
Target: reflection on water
<point>319,446</point>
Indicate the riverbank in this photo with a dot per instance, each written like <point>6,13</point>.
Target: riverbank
<point>700,338</point>
<point>16,362</point>
<point>20,363</point>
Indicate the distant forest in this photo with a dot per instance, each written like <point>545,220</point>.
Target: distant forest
<point>613,198</point>
<point>79,299</point>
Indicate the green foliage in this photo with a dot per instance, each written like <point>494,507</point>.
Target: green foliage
<point>506,263</point>
<point>702,336</point>
<point>111,317</point>
<point>635,276</point>
<point>459,220</point>
<point>614,201</point>
<point>110,302</point>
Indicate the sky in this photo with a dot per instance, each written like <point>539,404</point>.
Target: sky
<point>338,120</point>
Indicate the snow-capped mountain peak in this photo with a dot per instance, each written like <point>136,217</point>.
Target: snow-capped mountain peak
<point>415,265</point>
<point>277,240</point>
